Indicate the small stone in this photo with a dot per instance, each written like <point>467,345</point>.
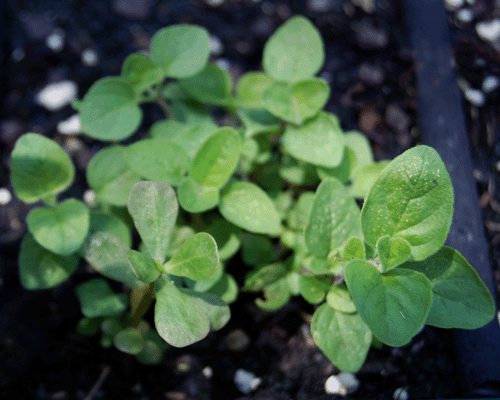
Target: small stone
<point>334,386</point>
<point>223,63</point>
<point>214,3</point>
<point>71,126</point>
<point>237,340</point>
<point>370,37</point>
<point>453,4</point>
<point>90,57</point>
<point>490,83</point>
<point>216,46</point>
<point>396,118</point>
<point>5,196</point>
<point>371,74</point>
<point>497,166</point>
<point>207,372</point>
<point>245,381</point>
<point>349,381</point>
<point>320,5</point>
<point>368,6</point>
<point>55,41</point>
<point>400,394</point>
<point>89,198</point>
<point>36,26</point>
<point>133,9</point>
<point>471,2</point>
<point>475,97</point>
<point>57,95</point>
<point>18,54</point>
<point>489,31</point>
<point>465,15</point>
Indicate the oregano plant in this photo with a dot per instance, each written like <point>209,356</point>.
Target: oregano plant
<point>278,191</point>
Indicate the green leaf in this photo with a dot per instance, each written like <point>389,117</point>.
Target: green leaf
<point>365,177</point>
<point>299,215</point>
<point>297,172</point>
<point>227,237</point>
<point>344,171</point>
<point>354,248</point>
<point>180,50</point>
<point>216,159</point>
<point>276,295</point>
<point>194,135</point>
<point>339,299</point>
<point>109,111</point>
<point>129,340</point>
<point>334,218</point>
<point>394,305</point>
<point>104,222</point>
<point>317,266</point>
<point>260,278</point>
<point>60,229</point>
<point>226,288</point>
<point>294,52</point>
<point>179,235</point>
<point>250,88</point>
<point>158,160</point>
<point>206,284</point>
<point>87,326</point>
<point>212,306</point>
<point>313,288</point>
<point>166,129</point>
<point>144,267</point>
<point>140,72</point>
<point>317,142</point>
<point>257,250</point>
<point>190,112</point>
<point>212,85</point>
<point>392,252</point>
<point>108,256</point>
<point>98,300</point>
<point>460,299</point>
<point>343,338</point>
<point>258,121</point>
<point>296,102</point>
<point>197,259</point>
<point>412,198</point>
<point>154,207</point>
<point>246,205</point>
<point>360,144</point>
<point>39,168</point>
<point>195,198</point>
<point>179,319</point>
<point>110,176</point>
<point>151,354</point>
<point>41,269</point>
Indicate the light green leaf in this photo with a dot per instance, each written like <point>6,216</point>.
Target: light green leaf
<point>313,288</point>
<point>197,259</point>
<point>104,222</point>
<point>365,177</point>
<point>339,299</point>
<point>246,205</point>
<point>354,248</point>
<point>360,144</point>
<point>299,215</point>
<point>109,111</point>
<point>179,319</point>
<point>154,207</point>
<point>108,256</point>
<point>151,354</point>
<point>250,88</point>
<point>334,218</point>
<point>317,142</point>
<point>412,198</point>
<point>190,112</point>
<point>180,50</point>
<point>343,338</point>
<point>194,135</point>
<point>297,172</point>
<point>344,171</point>
<point>460,299</point>
<point>144,267</point>
<point>217,158</point>
<point>129,340</point>
<point>195,198</point>
<point>206,284</point>
<point>179,235</point>
<point>60,229</point>
<point>294,52</point>
<point>262,277</point>
<point>212,306</point>
<point>257,121</point>
<point>212,85</point>
<point>257,250</point>
<point>39,168</point>
<point>226,288</point>
<point>110,176</point>
<point>98,300</point>
<point>296,102</point>
<point>394,305</point>
<point>227,237</point>
<point>166,129</point>
<point>140,72</point>
<point>276,295</point>
<point>392,252</point>
<point>41,269</point>
<point>158,160</point>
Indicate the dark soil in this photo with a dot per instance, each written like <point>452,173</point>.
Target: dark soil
<point>370,69</point>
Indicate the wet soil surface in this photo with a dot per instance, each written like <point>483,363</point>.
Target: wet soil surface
<point>370,69</point>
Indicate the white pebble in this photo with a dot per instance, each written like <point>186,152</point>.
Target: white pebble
<point>216,46</point>
<point>246,381</point>
<point>465,15</point>
<point>214,3</point>
<point>71,126</point>
<point>334,386</point>
<point>400,394</point>
<point>90,57</point>
<point>349,381</point>
<point>475,97</point>
<point>5,196</point>
<point>89,197</point>
<point>490,83</point>
<point>489,31</point>
<point>55,41</point>
<point>454,4</point>
<point>207,372</point>
<point>57,95</point>
<point>497,166</point>
<point>18,54</point>
<point>471,2</point>
<point>223,63</point>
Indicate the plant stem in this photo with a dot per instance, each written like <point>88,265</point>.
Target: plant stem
<point>165,107</point>
<point>143,306</point>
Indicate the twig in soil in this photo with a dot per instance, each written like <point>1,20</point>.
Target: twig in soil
<point>104,374</point>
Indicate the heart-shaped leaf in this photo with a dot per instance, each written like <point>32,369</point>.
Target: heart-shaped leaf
<point>313,288</point>
<point>154,207</point>
<point>197,259</point>
<point>394,304</point>
<point>98,300</point>
<point>294,52</point>
<point>354,248</point>
<point>39,268</point>
<point>39,168</point>
<point>460,298</point>
<point>412,198</point>
<point>180,50</point>
<point>246,205</point>
<point>334,218</point>
<point>392,252</point>
<point>296,102</point>
<point>343,338</point>
<point>317,142</point>
<point>61,229</point>
<point>212,85</point>
<point>144,267</point>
